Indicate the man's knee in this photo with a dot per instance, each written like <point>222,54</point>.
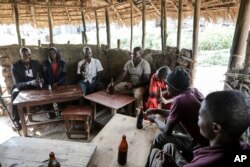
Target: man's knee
<point>138,93</point>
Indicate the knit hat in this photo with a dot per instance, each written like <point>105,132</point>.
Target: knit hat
<point>178,79</point>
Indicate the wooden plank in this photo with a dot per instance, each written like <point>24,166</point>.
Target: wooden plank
<point>180,17</point>
<point>17,23</point>
<point>155,8</point>
<point>34,150</point>
<point>196,29</point>
<point>50,24</point>
<point>108,140</point>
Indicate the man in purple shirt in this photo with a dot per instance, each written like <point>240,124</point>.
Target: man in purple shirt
<point>223,117</point>
<point>183,115</point>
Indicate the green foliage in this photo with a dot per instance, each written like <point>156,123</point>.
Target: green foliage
<point>213,57</point>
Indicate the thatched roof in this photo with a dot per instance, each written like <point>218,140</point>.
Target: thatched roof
<point>69,11</point>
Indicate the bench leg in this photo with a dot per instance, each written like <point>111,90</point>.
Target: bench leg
<point>87,127</point>
<point>67,125</point>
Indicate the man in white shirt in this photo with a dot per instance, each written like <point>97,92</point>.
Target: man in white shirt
<point>88,70</point>
<point>139,72</point>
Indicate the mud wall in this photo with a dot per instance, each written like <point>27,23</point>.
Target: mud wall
<point>112,60</point>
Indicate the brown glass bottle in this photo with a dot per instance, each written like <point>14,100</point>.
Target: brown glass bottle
<point>140,119</point>
<point>52,161</point>
<point>122,151</point>
<point>112,87</point>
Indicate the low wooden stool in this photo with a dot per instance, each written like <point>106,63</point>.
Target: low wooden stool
<point>77,113</point>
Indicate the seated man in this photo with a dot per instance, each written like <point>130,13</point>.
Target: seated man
<point>88,70</point>
<point>223,117</point>
<point>183,114</point>
<point>139,74</point>
<point>158,84</point>
<point>26,75</point>
<point>54,71</point>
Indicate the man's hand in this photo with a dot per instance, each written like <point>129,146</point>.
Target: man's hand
<point>129,86</point>
<point>165,101</point>
<point>152,118</point>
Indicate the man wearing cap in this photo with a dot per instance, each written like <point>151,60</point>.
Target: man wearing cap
<point>26,75</point>
<point>183,115</point>
<point>88,70</point>
<point>139,72</point>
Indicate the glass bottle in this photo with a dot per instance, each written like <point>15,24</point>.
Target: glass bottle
<point>140,119</point>
<point>112,87</point>
<point>53,161</point>
<point>40,86</point>
<point>123,151</point>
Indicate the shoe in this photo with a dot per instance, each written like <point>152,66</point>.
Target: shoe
<point>51,115</point>
<point>17,125</point>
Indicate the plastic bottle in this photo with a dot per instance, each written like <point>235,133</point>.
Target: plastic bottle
<point>53,161</point>
<point>123,151</point>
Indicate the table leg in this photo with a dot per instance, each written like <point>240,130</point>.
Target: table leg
<point>29,116</point>
<point>94,110</point>
<point>113,111</point>
<point>130,108</point>
<point>21,115</point>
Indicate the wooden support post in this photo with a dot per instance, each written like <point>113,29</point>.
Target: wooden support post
<point>196,28</point>
<point>247,57</point>
<point>107,27</point>
<point>84,27</point>
<point>50,25</point>
<point>131,25</point>
<point>118,43</point>
<point>17,23</point>
<point>39,42</point>
<point>240,36</point>
<point>179,24</point>
<point>165,23</point>
<point>143,23</point>
<point>97,29</point>
<point>83,37</point>
<point>23,42</point>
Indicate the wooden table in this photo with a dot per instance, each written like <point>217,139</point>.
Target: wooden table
<point>34,152</point>
<point>29,98</point>
<point>115,101</point>
<point>108,140</point>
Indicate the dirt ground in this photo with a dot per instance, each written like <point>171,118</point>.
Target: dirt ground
<point>207,79</point>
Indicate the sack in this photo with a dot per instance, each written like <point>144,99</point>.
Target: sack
<point>162,159</point>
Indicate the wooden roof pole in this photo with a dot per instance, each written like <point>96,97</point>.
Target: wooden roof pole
<point>238,48</point>
<point>155,8</point>
<point>180,17</point>
<point>50,24</point>
<point>67,11</point>
<point>131,25</point>
<point>83,24</point>
<point>143,23</point>
<point>97,29</point>
<point>17,23</point>
<point>165,23</point>
<point>33,13</point>
<point>196,28</point>
<point>107,27</point>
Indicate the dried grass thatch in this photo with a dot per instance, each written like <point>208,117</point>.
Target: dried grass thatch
<point>69,11</point>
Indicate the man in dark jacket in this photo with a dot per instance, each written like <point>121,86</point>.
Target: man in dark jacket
<point>26,75</point>
<point>54,69</point>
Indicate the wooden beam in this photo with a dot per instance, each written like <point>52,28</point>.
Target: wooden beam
<point>165,22</point>
<point>97,28</point>
<point>180,17</point>
<point>155,8</point>
<point>162,26</point>
<point>174,5</point>
<point>196,28</point>
<point>116,12</point>
<point>67,11</point>
<point>33,15</point>
<point>143,23</point>
<point>242,27</point>
<point>50,24</point>
<point>83,23</point>
<point>136,8</point>
<point>131,25</point>
<point>107,27</point>
<point>17,23</point>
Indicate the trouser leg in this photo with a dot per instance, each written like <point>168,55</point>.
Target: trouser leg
<point>15,114</point>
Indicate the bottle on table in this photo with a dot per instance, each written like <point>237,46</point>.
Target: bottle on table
<point>123,151</point>
<point>49,87</point>
<point>40,86</point>
<point>140,119</point>
<point>111,87</point>
<point>53,161</point>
